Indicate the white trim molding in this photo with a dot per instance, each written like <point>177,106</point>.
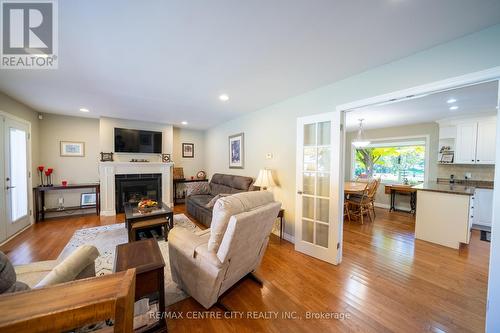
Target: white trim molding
<point>108,170</point>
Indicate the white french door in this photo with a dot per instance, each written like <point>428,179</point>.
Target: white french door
<point>16,177</point>
<point>317,201</point>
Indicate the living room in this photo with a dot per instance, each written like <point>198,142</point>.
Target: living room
<point>180,177</point>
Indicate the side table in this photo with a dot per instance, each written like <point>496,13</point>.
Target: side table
<point>145,256</point>
<point>281,214</point>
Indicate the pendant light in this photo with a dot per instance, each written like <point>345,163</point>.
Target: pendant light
<point>360,141</point>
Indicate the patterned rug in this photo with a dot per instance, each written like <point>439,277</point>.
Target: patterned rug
<point>106,238</point>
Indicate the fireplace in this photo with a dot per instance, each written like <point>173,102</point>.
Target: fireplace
<point>132,188</point>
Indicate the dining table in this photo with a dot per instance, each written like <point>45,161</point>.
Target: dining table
<point>351,187</point>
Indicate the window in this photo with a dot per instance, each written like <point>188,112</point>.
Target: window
<point>391,161</point>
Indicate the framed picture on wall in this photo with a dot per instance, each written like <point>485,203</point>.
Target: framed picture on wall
<point>237,151</point>
<point>87,199</point>
<point>72,149</point>
<point>188,150</point>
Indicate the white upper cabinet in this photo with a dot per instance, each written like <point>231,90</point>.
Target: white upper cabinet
<point>486,138</point>
<point>465,149</point>
<point>475,142</point>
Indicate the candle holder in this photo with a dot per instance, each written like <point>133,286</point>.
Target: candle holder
<point>40,173</point>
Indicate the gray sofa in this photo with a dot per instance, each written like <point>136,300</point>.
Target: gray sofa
<point>219,184</point>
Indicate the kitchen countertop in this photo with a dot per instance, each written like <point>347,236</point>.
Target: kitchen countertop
<point>445,188</point>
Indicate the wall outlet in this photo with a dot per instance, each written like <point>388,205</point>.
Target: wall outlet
<point>60,201</point>
<point>269,156</point>
<point>468,175</point>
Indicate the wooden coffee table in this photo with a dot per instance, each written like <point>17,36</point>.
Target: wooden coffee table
<point>135,220</point>
<point>145,256</point>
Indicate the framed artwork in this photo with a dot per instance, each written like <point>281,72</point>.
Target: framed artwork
<point>72,149</point>
<point>237,151</point>
<point>106,157</point>
<point>87,199</point>
<point>188,150</point>
<point>165,158</point>
<point>447,157</point>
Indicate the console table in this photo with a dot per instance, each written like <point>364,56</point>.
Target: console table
<point>183,181</point>
<point>39,197</point>
<point>405,190</point>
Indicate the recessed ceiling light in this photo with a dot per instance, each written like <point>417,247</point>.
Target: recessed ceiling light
<point>84,110</point>
<point>184,122</point>
<point>224,97</point>
<point>454,107</point>
<point>451,100</point>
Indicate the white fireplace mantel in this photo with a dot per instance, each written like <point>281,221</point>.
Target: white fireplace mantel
<point>108,170</point>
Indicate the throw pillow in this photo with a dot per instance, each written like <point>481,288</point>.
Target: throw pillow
<point>8,283</point>
<point>71,267</point>
<point>197,188</point>
<point>212,202</point>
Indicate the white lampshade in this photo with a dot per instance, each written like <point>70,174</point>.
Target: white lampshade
<point>360,141</point>
<point>265,179</point>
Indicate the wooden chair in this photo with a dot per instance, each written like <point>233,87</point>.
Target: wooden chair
<point>360,203</point>
<point>372,192</point>
<point>66,306</point>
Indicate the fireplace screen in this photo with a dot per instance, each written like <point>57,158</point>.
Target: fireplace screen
<point>136,187</point>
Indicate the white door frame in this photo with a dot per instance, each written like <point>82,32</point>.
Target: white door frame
<point>492,74</point>
<point>30,169</point>
<point>331,254</point>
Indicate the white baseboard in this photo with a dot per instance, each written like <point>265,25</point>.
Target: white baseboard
<point>15,235</point>
<point>289,238</point>
<point>386,206</point>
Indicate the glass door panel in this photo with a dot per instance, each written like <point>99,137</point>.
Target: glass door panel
<point>17,186</point>
<point>18,182</point>
<point>316,183</point>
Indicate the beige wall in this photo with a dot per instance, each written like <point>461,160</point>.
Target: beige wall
<point>10,105</point>
<point>273,129</point>
<point>191,166</point>
<point>57,128</point>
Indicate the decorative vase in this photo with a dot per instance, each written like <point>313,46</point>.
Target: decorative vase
<point>40,172</point>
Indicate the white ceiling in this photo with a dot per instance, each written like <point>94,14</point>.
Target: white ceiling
<point>167,61</point>
<point>480,98</point>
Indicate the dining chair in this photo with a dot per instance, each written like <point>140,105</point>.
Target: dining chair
<point>372,193</point>
<point>361,204</point>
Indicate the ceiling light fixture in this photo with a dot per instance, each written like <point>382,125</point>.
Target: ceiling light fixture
<point>224,97</point>
<point>360,140</point>
<point>451,100</point>
<point>454,107</point>
<point>184,122</point>
<point>84,110</point>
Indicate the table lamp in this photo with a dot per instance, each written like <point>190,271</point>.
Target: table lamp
<point>265,179</point>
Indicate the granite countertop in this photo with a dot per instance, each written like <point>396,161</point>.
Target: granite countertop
<point>445,188</point>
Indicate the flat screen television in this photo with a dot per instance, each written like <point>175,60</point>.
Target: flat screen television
<point>137,141</point>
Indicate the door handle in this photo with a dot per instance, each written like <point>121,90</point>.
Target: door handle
<point>9,187</point>
<point>299,192</point>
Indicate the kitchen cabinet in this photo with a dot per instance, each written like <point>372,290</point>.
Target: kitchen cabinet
<point>475,142</point>
<point>485,147</point>
<point>465,150</point>
<point>483,206</point>
<point>444,218</point>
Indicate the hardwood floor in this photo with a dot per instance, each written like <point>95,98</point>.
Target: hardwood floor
<point>387,281</point>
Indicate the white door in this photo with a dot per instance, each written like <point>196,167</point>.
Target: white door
<point>486,136</point>
<point>465,151</point>
<point>16,184</point>
<point>316,230</point>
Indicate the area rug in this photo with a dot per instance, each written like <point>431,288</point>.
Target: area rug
<point>106,238</point>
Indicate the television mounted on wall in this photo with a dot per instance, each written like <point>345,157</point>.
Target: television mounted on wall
<point>137,141</point>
